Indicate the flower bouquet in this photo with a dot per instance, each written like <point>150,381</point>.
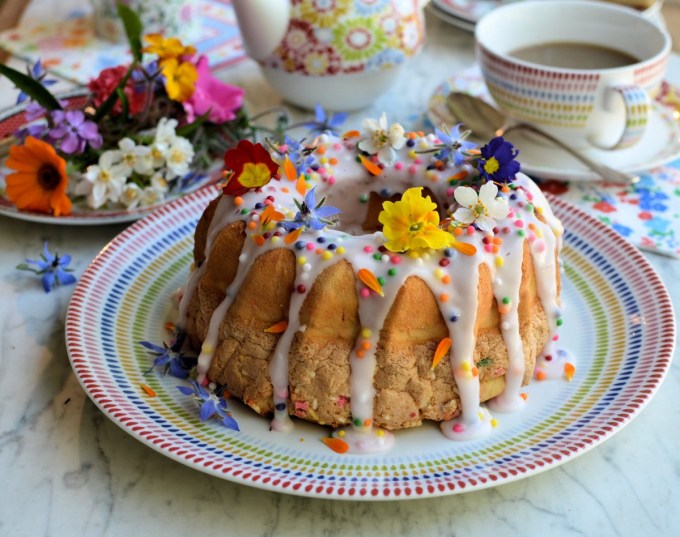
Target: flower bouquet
<point>143,132</point>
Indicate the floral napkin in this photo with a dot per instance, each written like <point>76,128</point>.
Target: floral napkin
<point>71,50</point>
<point>646,213</point>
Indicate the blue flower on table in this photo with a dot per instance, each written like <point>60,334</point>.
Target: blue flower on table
<point>311,214</point>
<point>53,269</point>
<point>452,145</point>
<point>325,123</point>
<point>211,405</point>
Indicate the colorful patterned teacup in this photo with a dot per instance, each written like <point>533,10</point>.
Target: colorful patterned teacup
<point>606,106</point>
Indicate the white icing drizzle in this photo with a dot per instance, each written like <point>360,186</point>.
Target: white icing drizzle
<point>363,252</point>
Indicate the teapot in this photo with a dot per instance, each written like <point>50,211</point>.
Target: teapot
<point>341,54</point>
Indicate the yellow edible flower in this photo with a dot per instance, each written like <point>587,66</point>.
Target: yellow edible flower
<point>166,48</point>
<point>413,222</point>
<point>180,79</point>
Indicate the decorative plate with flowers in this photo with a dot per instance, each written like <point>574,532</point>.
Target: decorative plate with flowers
<point>140,135</point>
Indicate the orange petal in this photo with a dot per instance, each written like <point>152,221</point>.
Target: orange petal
<point>301,185</point>
<point>460,175</point>
<point>289,169</point>
<point>336,444</point>
<point>441,351</point>
<point>569,371</point>
<point>372,167</point>
<point>277,328</point>
<point>148,390</point>
<point>293,236</point>
<point>370,281</point>
<point>464,247</point>
<point>351,134</point>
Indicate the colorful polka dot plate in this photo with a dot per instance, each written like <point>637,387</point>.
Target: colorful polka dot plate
<point>619,322</point>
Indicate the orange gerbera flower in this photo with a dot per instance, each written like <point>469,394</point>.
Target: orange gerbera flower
<point>39,182</point>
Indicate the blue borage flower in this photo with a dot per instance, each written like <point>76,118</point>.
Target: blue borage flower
<point>212,405</point>
<point>453,145</point>
<point>170,358</point>
<point>325,123</point>
<point>311,214</point>
<point>497,161</point>
<point>36,72</point>
<point>53,269</point>
<point>299,155</point>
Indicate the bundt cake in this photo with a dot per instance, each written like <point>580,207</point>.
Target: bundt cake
<point>375,280</point>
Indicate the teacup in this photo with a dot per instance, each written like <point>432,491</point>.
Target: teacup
<point>532,58</point>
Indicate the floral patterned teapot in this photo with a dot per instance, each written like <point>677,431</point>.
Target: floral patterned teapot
<point>341,54</point>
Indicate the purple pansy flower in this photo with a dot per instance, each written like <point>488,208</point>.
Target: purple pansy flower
<point>53,269</point>
<point>497,161</point>
<point>311,214</point>
<point>325,122</point>
<point>74,132</point>
<point>36,73</point>
<point>211,405</point>
<point>453,145</point>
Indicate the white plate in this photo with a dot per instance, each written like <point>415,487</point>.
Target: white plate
<point>659,145</point>
<point>618,321</point>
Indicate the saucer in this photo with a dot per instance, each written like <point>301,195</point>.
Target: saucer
<point>659,145</point>
<point>466,13</point>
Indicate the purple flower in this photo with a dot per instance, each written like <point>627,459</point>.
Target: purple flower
<point>452,145</point>
<point>74,132</point>
<point>497,162</point>
<point>311,214</point>
<point>325,123</point>
<point>211,405</point>
<point>170,358</point>
<point>36,72</point>
<point>52,268</point>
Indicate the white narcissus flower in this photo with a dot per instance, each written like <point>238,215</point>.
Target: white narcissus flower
<point>481,209</point>
<point>159,183</point>
<point>103,181</point>
<point>136,157</point>
<point>164,138</point>
<point>151,196</point>
<point>179,157</point>
<point>131,195</point>
<point>382,140</point>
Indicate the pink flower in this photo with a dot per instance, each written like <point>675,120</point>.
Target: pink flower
<point>220,99</point>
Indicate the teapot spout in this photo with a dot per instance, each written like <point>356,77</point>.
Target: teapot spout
<point>262,23</point>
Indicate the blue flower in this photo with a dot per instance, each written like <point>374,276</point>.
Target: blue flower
<point>211,405</point>
<point>453,146</point>
<point>497,162</point>
<point>311,214</point>
<point>170,358</point>
<point>300,156</point>
<point>325,123</point>
<point>36,73</point>
<point>52,268</point>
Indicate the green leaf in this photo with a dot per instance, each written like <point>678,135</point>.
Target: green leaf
<point>123,101</point>
<point>31,87</point>
<point>188,129</point>
<point>133,30</point>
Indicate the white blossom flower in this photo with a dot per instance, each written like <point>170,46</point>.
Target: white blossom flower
<point>103,181</point>
<point>136,157</point>
<point>481,209</point>
<point>151,196</point>
<point>159,182</point>
<point>382,140</point>
<point>131,195</point>
<point>179,157</point>
<point>163,140</point>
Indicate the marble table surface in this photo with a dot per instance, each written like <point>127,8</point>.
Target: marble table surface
<point>67,470</point>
